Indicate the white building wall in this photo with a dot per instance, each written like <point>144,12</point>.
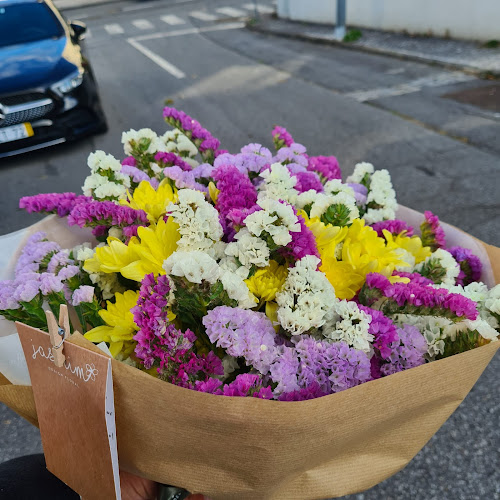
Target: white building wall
<point>467,19</point>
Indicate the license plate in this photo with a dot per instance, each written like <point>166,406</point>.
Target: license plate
<point>16,132</point>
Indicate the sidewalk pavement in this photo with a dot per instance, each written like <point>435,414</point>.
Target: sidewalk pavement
<point>464,55</point>
<point>75,4</point>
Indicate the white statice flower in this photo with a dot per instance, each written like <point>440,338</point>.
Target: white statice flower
<point>248,249</point>
<point>83,252</point>
<point>142,136</point>
<point>324,201</point>
<point>446,261</point>
<point>198,222</point>
<point>177,142</point>
<point>306,198</point>
<point>230,264</point>
<point>278,184</point>
<point>349,324</point>
<point>481,326</point>
<point>336,186</point>
<point>306,299</point>
<point>360,171</point>
<point>196,266</point>
<point>381,194</point>
<point>109,190</point>
<point>276,219</point>
<point>100,161</point>
<point>492,301</point>
<point>106,180</point>
<point>406,257</point>
<point>237,289</point>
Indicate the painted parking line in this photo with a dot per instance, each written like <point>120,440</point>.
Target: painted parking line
<point>231,12</point>
<point>437,80</point>
<point>143,24</point>
<point>163,63</point>
<point>172,20</point>
<point>203,16</point>
<point>263,9</point>
<point>113,29</point>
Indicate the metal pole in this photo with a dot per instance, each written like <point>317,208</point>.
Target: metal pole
<point>339,32</point>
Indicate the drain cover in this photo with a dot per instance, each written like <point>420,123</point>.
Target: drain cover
<point>483,97</point>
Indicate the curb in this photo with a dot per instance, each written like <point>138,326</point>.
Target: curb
<point>471,70</point>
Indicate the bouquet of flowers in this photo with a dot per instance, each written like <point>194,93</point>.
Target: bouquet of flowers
<point>260,275</point>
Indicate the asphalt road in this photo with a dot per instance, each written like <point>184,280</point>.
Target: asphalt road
<point>443,156</point>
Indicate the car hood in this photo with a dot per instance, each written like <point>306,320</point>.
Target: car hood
<point>36,64</point>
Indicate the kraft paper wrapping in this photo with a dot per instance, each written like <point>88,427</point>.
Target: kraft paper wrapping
<point>249,448</point>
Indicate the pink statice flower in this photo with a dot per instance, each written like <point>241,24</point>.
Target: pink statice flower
<point>281,137</point>
<point>394,226</point>
<point>326,166</point>
<point>52,203</point>
<point>432,233</point>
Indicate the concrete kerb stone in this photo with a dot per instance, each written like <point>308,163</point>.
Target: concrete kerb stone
<point>263,27</point>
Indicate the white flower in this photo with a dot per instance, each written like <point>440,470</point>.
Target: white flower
<point>237,289</point>
<point>492,302</point>
<point>336,186</point>
<point>349,324</point>
<point>276,219</point>
<point>106,180</point>
<point>324,201</point>
<point>306,198</point>
<point>82,252</point>
<point>306,298</point>
<point>278,184</point>
<point>176,142</point>
<point>248,249</point>
<point>146,135</point>
<point>381,194</point>
<point>99,160</point>
<point>407,257</point>
<point>447,262</point>
<point>195,266</point>
<point>360,170</point>
<point>198,222</point>
<point>230,264</point>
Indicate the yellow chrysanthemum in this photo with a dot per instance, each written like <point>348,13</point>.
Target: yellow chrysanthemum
<point>143,255</point>
<point>411,244</point>
<point>343,276</point>
<point>153,201</point>
<point>120,327</point>
<point>213,192</point>
<point>327,236</point>
<point>266,283</point>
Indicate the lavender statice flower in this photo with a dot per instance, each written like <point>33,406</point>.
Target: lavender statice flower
<point>312,391</point>
<point>432,233</point>
<point>50,283</point>
<point>27,287</point>
<point>183,179</point>
<point>59,260</point>
<point>470,265</point>
<point>59,203</point>
<point>407,351</point>
<point>68,272</point>
<point>171,160</point>
<point>257,149</point>
<point>243,333</point>
<point>36,250</point>
<point>281,137</point>
<point>7,300</point>
<point>84,293</point>
<point>394,226</point>
<point>246,163</point>
<point>326,166</point>
<point>295,153</point>
<point>203,171</point>
<point>137,175</point>
<point>360,192</point>
<point>307,181</point>
<point>105,213</point>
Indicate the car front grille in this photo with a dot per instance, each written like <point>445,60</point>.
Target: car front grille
<point>24,108</point>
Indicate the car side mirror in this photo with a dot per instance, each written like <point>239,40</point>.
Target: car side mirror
<point>79,30</point>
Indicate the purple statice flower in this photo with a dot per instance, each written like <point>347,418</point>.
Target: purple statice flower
<point>244,385</point>
<point>68,272</point>
<point>100,232</point>
<point>307,181</point>
<point>243,333</point>
<point>326,166</point>
<point>183,179</point>
<point>36,250</point>
<point>360,192</point>
<point>303,242</point>
<point>105,213</point>
<point>27,287</point>
<point>312,391</point>
<point>220,152</point>
<point>244,162</point>
<point>129,161</point>
<point>137,175</point>
<point>7,300</point>
<point>58,203</point>
<point>415,298</point>
<point>50,283</point>
<point>201,137</point>
<point>414,277</point>
<point>203,171</point>
<point>432,233</point>
<point>172,160</point>
<point>161,344</point>
<point>470,265</point>
<point>295,168</point>
<point>394,226</point>
<point>383,330</point>
<point>84,293</point>
<point>281,137</point>
<point>58,260</point>
<point>408,351</point>
<point>235,191</point>
<point>295,153</point>
<point>130,231</point>
<point>257,149</point>
<point>237,216</point>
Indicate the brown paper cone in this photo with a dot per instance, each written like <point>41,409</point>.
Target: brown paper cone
<point>248,448</point>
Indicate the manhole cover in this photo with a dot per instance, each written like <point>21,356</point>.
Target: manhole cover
<point>482,97</point>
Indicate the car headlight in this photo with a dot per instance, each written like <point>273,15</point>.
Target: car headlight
<point>71,82</point>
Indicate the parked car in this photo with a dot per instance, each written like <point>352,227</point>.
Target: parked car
<point>48,93</point>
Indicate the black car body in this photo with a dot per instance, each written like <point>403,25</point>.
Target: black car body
<point>48,93</point>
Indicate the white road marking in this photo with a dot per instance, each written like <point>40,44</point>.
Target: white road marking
<point>203,16</point>
<point>143,24</point>
<point>263,9</point>
<point>113,29</point>
<point>231,12</point>
<point>163,63</point>
<point>188,31</point>
<point>172,20</point>
<point>437,80</point>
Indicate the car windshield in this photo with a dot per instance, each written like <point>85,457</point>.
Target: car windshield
<point>27,22</point>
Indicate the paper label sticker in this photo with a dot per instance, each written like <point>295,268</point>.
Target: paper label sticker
<point>75,408</point>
